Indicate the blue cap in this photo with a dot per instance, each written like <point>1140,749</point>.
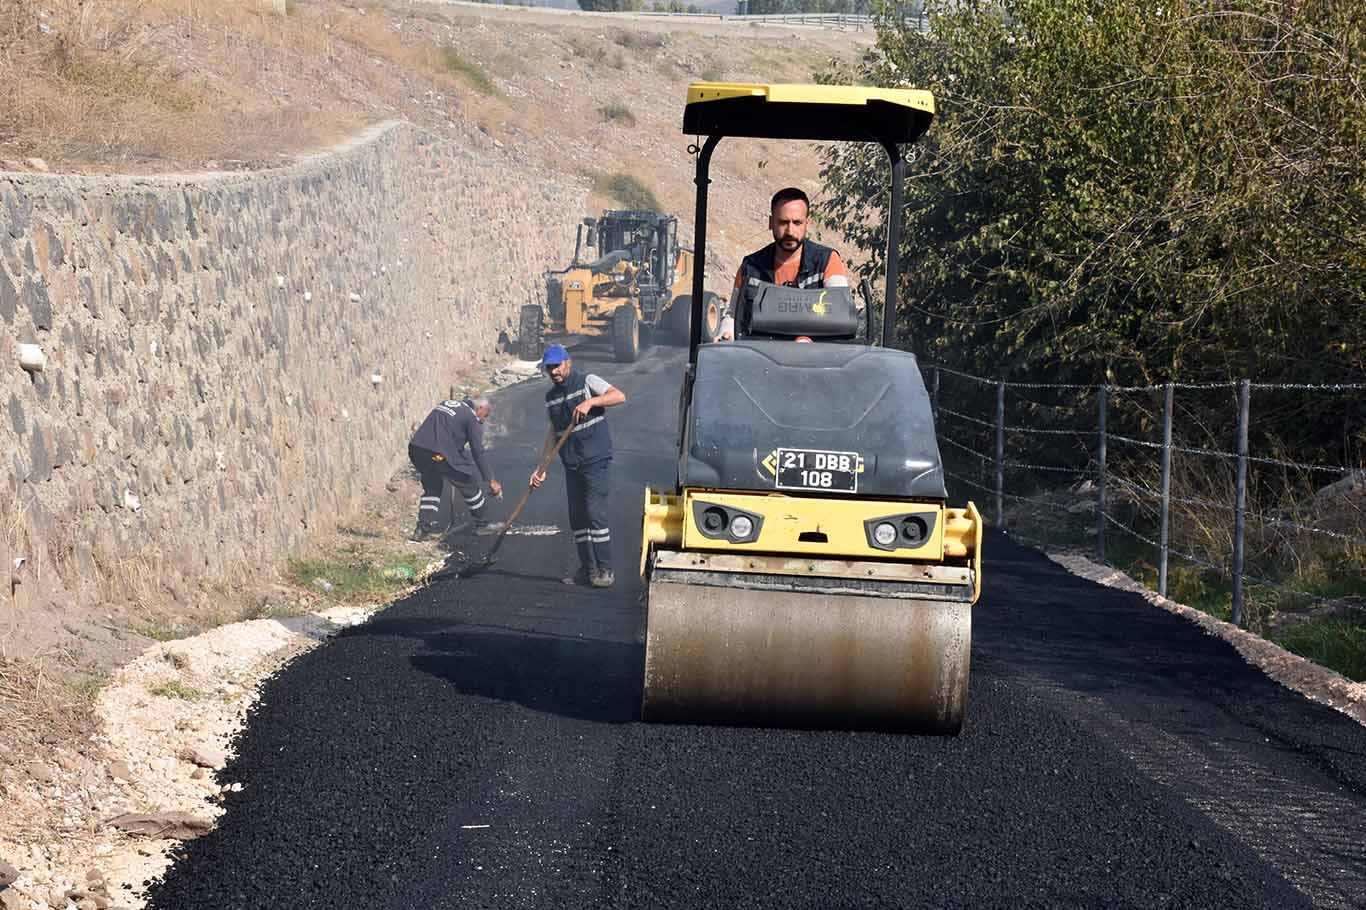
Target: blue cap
<point>554,354</point>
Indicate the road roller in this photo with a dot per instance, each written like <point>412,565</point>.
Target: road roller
<point>807,569</point>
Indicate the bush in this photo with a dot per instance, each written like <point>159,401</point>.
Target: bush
<point>471,72</point>
<point>1336,643</point>
<point>617,113</point>
<point>629,191</point>
<point>637,41</point>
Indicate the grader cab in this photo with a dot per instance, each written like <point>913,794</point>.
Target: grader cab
<point>635,291</point>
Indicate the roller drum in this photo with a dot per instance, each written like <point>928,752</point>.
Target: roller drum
<point>747,656</point>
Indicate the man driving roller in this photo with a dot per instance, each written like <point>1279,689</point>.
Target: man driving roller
<point>790,259</point>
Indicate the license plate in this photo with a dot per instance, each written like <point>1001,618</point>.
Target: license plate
<point>812,469</point>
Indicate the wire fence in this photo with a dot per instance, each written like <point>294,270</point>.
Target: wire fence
<point>1040,435</point>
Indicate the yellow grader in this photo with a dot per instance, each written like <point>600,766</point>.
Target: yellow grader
<point>806,568</point>
<point>636,292</point>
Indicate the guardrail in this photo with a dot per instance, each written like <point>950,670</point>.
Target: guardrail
<point>1090,443</point>
<point>826,20</point>
<point>839,21</point>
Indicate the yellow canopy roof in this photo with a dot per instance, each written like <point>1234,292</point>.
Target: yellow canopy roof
<point>818,112</point>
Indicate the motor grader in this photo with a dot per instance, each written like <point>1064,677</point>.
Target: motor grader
<point>635,292</point>
<point>806,568</point>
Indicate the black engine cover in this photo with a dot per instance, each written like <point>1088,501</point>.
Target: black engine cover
<point>751,398</point>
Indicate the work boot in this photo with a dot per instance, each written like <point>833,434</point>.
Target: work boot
<point>603,578</point>
<point>421,532</point>
<point>456,530</point>
<point>583,577</point>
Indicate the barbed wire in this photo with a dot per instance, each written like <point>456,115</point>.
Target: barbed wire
<point>958,445</point>
<point>1278,522</point>
<point>1070,408</point>
<point>1161,386</point>
<point>1013,496</point>
<point>1157,494</point>
<point>1013,429</point>
<point>1012,464</point>
<point>1171,551</point>
<point>1057,469</point>
<point>1140,495</point>
<point>1220,569</point>
<point>1224,384</point>
<point>1306,387</point>
<point>1192,450</point>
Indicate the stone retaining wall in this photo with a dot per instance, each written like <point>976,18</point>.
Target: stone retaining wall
<point>232,360</point>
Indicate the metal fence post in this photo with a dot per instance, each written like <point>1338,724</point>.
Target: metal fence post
<point>1166,487</point>
<point>1000,451</point>
<point>1101,397</point>
<point>1240,506</point>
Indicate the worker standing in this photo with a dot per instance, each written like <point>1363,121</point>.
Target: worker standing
<point>438,452</point>
<point>579,400</point>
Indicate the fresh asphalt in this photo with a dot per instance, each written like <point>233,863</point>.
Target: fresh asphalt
<point>477,745</point>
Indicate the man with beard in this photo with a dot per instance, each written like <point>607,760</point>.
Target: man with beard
<point>577,402</point>
<point>790,259</point>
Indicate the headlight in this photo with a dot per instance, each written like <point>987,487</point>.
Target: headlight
<point>885,534</point>
<point>714,520</point>
<point>741,527</point>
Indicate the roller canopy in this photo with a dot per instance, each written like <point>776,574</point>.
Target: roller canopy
<point>751,398</point>
<point>826,113</point>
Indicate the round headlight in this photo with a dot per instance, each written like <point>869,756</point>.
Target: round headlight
<point>714,520</point>
<point>741,527</point>
<point>885,534</point>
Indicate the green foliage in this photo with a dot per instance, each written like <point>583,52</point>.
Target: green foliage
<point>611,6</point>
<point>628,190</point>
<point>1128,190</point>
<point>470,71</point>
<point>1336,643</point>
<point>356,578</point>
<point>617,113</point>
<point>174,688</point>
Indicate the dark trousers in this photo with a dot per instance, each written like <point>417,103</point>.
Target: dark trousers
<point>436,472</point>
<point>587,487</point>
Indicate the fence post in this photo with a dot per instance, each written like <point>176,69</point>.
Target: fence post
<point>1240,506</point>
<point>1000,450</point>
<point>1101,397</point>
<point>1166,487</point>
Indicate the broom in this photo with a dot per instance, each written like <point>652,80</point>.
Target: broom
<point>477,567</point>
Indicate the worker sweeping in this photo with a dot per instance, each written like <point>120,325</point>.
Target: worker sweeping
<point>577,402</point>
<point>438,452</point>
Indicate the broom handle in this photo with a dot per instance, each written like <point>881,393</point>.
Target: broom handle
<point>517,509</point>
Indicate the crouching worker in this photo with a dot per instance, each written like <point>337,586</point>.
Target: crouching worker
<point>580,400</point>
<point>438,452</point>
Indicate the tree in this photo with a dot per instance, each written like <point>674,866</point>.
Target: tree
<point>1127,189</point>
<point>611,6</point>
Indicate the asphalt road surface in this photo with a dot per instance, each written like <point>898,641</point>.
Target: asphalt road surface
<point>477,745</point>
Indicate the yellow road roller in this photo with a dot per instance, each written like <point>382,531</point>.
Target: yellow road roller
<point>806,570</point>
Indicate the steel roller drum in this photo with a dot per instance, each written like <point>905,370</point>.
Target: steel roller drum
<point>824,659</point>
